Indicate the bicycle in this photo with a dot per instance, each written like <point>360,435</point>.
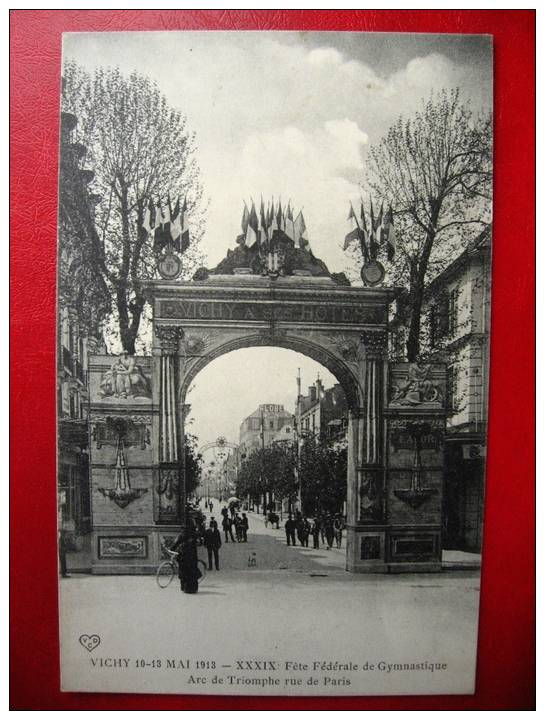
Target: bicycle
<point>168,570</point>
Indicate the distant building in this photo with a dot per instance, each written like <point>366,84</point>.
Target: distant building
<point>267,424</point>
<point>456,328</point>
<point>322,411</point>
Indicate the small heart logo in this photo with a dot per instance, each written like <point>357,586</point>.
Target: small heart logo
<point>89,641</point>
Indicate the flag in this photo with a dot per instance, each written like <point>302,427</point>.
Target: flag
<point>270,219</point>
<point>158,235</point>
<point>380,221</point>
<point>355,233</point>
<point>179,227</point>
<point>363,221</point>
<point>351,237</point>
<point>176,211</point>
<point>264,232</point>
<point>388,234</point>
<point>252,228</point>
<point>300,230</point>
<point>373,248</point>
<point>148,221</point>
<point>289,227</point>
<point>165,221</point>
<point>184,237</point>
<point>280,217</point>
<point>175,224</point>
<point>245,219</point>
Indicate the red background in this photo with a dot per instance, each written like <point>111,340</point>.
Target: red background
<point>505,674</point>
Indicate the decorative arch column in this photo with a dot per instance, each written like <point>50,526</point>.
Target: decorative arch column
<point>366,475</point>
<point>170,488</point>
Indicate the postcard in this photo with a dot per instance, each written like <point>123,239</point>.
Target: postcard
<point>273,353</point>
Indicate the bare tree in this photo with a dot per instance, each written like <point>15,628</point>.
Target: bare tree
<point>138,147</point>
<point>435,170</point>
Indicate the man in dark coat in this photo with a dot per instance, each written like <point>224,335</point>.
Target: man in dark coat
<point>289,527</point>
<point>245,526</point>
<point>188,569</point>
<point>329,531</point>
<point>305,531</point>
<point>227,525</point>
<point>212,541</point>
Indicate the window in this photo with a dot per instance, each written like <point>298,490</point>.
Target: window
<point>271,424</point>
<point>452,312</point>
<point>313,421</point>
<point>450,399</point>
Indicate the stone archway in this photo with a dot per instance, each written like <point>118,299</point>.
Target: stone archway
<point>343,328</point>
<point>395,428</point>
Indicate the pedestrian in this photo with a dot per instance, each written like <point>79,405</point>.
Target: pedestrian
<point>305,531</point>
<point>224,511</point>
<point>62,553</point>
<point>289,527</point>
<point>227,526</point>
<point>338,526</point>
<point>329,531</point>
<point>245,527</point>
<point>299,527</point>
<point>188,569</point>
<point>212,541</point>
<point>315,531</point>
<point>210,506</point>
<point>237,522</point>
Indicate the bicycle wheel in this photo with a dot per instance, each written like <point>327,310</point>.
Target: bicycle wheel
<point>165,574</point>
<point>203,568</point>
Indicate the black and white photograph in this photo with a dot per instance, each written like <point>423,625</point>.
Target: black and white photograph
<point>274,282</point>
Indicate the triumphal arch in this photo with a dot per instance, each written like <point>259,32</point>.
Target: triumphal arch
<point>395,420</point>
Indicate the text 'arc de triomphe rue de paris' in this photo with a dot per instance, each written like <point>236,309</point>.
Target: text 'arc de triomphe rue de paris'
<point>396,410</point>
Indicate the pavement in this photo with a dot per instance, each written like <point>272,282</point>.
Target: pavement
<point>272,553</point>
<point>296,606</point>
<point>268,546</point>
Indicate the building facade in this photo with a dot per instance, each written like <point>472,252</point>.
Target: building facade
<point>456,328</point>
<point>83,301</point>
<point>322,411</point>
<point>269,423</point>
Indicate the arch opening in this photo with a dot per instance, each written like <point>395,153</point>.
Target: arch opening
<point>282,403</point>
<point>324,358</point>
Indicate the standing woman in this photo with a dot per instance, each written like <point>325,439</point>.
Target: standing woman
<point>188,569</point>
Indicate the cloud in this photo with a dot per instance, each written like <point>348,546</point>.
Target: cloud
<point>324,56</point>
<point>275,115</point>
<point>308,167</point>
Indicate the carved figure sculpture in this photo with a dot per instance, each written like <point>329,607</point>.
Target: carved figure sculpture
<point>125,379</point>
<point>417,389</point>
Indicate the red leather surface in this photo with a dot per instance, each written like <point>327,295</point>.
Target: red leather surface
<point>505,661</point>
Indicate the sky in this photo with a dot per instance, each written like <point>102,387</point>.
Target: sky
<point>290,115</point>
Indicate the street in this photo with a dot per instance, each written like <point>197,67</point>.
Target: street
<point>295,604</point>
<point>271,551</point>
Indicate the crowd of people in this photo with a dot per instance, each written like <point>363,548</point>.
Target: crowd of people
<point>328,529</point>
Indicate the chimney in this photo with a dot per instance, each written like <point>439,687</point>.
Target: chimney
<point>312,392</point>
<point>298,384</point>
